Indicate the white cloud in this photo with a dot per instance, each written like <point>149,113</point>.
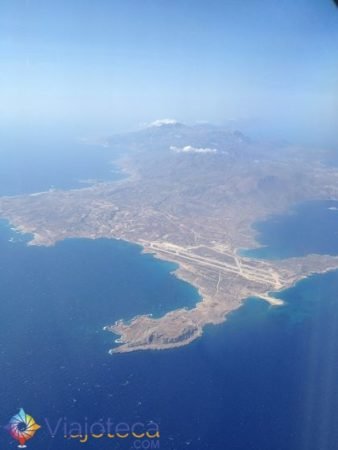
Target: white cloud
<point>191,149</point>
<point>161,122</point>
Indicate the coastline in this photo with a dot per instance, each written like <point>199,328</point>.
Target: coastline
<point>180,327</point>
<point>203,241</point>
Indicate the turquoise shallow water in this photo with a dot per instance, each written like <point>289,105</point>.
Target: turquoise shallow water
<point>266,379</point>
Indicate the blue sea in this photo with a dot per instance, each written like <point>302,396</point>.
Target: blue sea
<point>310,227</point>
<point>30,163</point>
<point>267,379</point>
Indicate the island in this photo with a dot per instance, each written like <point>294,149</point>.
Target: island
<point>191,195</point>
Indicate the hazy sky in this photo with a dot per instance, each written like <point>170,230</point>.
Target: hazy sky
<point>105,65</point>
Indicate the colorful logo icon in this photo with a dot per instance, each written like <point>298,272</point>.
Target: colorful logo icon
<point>22,427</point>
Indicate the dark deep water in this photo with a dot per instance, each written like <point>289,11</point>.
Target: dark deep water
<point>267,379</point>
